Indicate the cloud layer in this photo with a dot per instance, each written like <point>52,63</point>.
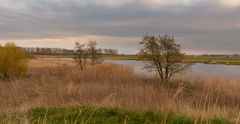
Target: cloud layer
<point>201,26</point>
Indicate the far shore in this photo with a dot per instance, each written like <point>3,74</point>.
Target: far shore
<point>197,59</point>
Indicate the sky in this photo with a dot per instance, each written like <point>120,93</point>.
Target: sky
<point>199,26</point>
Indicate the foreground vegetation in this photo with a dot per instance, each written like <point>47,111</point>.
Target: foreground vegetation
<point>88,115</point>
<point>56,83</point>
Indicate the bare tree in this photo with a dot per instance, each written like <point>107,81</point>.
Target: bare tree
<point>163,55</point>
<point>85,52</point>
<point>81,54</point>
<point>93,52</point>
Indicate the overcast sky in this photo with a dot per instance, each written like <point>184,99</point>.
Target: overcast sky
<point>200,26</point>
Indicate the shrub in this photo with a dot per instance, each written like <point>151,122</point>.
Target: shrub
<point>13,61</point>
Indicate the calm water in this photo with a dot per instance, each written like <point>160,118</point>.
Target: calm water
<point>225,71</point>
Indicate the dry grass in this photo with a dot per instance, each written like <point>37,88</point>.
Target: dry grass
<point>57,83</point>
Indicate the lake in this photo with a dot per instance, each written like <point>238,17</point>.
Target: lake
<point>225,71</point>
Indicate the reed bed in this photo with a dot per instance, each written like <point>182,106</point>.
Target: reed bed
<point>60,83</point>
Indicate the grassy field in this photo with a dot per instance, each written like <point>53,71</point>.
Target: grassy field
<point>59,83</point>
<point>207,60</point>
<point>111,57</point>
<point>214,60</point>
<point>89,115</point>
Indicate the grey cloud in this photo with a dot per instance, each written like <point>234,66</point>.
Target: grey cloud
<point>201,26</point>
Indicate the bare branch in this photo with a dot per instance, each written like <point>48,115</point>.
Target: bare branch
<point>163,55</point>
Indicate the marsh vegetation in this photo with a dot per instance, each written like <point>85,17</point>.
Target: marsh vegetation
<point>58,83</point>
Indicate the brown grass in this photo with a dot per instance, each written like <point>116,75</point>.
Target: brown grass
<point>57,83</point>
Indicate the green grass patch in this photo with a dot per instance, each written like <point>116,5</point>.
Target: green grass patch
<point>121,57</point>
<point>89,115</point>
<point>213,60</point>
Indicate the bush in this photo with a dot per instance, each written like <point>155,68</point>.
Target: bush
<point>13,61</point>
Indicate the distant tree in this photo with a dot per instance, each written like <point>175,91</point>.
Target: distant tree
<point>163,55</point>
<point>13,61</point>
<point>81,54</point>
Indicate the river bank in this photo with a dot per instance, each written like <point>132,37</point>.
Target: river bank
<point>205,60</point>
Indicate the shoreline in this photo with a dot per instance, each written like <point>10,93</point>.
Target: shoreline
<point>191,60</point>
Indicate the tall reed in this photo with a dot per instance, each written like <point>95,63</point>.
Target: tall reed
<point>58,82</point>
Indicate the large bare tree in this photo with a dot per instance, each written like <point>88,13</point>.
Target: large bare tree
<point>163,55</point>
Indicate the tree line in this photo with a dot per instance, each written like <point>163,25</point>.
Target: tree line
<point>63,51</point>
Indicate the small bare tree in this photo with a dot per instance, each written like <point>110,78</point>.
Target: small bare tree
<point>163,55</point>
<point>81,54</point>
<point>93,52</point>
<point>85,52</point>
